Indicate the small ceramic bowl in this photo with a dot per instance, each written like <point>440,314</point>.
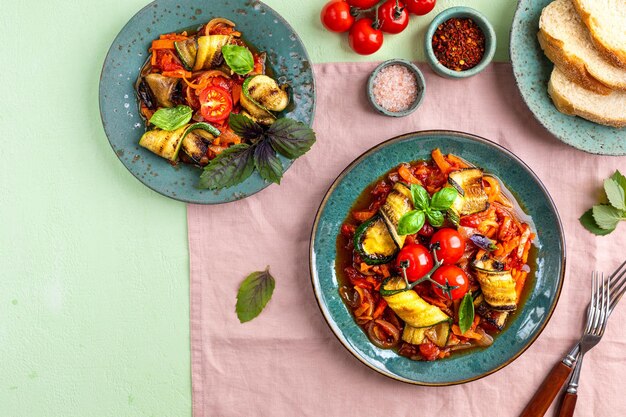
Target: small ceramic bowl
<point>419,78</point>
<point>460,13</point>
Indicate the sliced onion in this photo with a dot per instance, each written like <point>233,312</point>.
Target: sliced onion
<point>350,296</point>
<point>376,331</point>
<point>214,22</point>
<point>486,340</point>
<point>461,346</point>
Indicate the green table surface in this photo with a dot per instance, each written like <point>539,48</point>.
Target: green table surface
<point>94,275</point>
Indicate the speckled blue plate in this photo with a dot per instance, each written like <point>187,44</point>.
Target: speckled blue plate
<point>527,323</point>
<point>260,25</point>
<point>532,72</point>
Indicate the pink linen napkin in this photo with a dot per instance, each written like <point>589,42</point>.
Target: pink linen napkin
<point>287,362</point>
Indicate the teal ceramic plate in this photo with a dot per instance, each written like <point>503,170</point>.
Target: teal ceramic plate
<point>261,26</point>
<point>525,326</point>
<point>532,72</point>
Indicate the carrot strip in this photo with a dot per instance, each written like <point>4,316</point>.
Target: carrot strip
<point>441,162</point>
<point>519,283</point>
<point>177,74</point>
<point>174,36</point>
<point>380,308</point>
<point>407,175</point>
<point>363,215</point>
<point>236,93</point>
<point>458,162</point>
<point>162,44</point>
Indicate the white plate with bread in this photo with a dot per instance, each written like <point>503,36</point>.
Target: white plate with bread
<point>569,60</point>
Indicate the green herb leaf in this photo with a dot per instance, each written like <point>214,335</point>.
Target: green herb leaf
<point>172,118</point>
<point>229,168</point>
<point>254,293</point>
<point>290,137</point>
<point>238,58</point>
<point>590,224</point>
<point>267,163</point>
<point>435,217</point>
<point>245,127</point>
<point>607,217</point>
<point>443,199</point>
<point>620,179</point>
<point>466,313</point>
<point>411,222</point>
<point>615,193</point>
<point>421,198</point>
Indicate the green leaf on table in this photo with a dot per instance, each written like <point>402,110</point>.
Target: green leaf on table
<point>443,199</point>
<point>589,223</point>
<point>466,313</point>
<point>267,162</point>
<point>620,179</point>
<point>238,58</point>
<point>232,166</point>
<point>411,222</point>
<point>290,137</point>
<point>172,118</point>
<point>434,217</point>
<point>615,193</point>
<point>421,199</point>
<point>607,217</point>
<point>254,293</point>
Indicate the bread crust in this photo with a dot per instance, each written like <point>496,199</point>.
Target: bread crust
<point>616,56</point>
<point>570,65</point>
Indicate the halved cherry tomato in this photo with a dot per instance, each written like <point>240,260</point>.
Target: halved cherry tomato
<point>336,16</point>
<point>453,276</point>
<point>393,16</point>
<point>451,245</point>
<point>215,104</point>
<point>420,261</point>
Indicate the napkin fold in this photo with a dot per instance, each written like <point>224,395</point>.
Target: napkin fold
<point>287,362</point>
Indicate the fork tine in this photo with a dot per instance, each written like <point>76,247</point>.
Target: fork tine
<point>618,286</point>
<point>607,307</point>
<point>605,304</point>
<point>597,306</point>
<point>592,303</point>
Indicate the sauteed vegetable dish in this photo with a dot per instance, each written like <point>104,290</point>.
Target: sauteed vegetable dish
<point>434,258</point>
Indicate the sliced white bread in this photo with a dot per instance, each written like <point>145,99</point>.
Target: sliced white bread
<point>570,98</point>
<point>566,42</point>
<point>606,21</point>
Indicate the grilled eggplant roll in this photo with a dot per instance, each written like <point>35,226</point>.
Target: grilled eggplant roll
<point>164,143</point>
<point>165,89</point>
<point>472,197</point>
<point>495,318</point>
<point>196,141</point>
<point>409,306</point>
<point>374,242</point>
<point>398,203</point>
<point>498,286</point>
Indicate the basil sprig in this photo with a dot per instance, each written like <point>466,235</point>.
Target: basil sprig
<point>602,219</point>
<point>172,118</point>
<point>426,208</point>
<point>285,136</point>
<point>238,58</point>
<point>466,312</point>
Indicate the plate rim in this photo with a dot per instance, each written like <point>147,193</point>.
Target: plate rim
<point>515,27</point>
<point>417,134</point>
<point>177,197</point>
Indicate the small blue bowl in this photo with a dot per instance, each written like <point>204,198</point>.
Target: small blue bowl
<point>460,13</point>
<point>419,78</point>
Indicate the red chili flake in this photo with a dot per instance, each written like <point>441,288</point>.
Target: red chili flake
<point>459,44</point>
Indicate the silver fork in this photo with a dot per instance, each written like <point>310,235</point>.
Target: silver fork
<point>552,384</point>
<point>597,318</point>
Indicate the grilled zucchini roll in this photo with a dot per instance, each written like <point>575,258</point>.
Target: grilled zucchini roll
<point>409,306</point>
<point>209,51</point>
<point>374,242</point>
<point>197,139</point>
<point>398,203</point>
<point>438,334</point>
<point>498,286</point>
<point>472,197</point>
<point>164,143</point>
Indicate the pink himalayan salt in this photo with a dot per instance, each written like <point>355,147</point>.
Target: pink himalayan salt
<point>395,88</point>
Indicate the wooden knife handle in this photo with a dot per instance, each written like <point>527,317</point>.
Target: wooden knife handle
<point>567,405</point>
<point>548,390</point>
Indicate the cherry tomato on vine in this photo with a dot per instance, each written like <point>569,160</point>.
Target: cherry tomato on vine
<point>451,275</point>
<point>451,245</point>
<point>364,38</point>
<point>363,4</point>
<point>420,7</point>
<point>215,104</point>
<point>336,16</point>
<point>393,16</point>
<point>420,261</point>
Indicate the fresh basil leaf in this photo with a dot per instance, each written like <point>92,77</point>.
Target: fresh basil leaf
<point>435,218</point>
<point>466,313</point>
<point>443,199</point>
<point>411,222</point>
<point>421,198</point>
<point>606,216</point>
<point>290,137</point>
<point>590,224</point>
<point>229,168</point>
<point>238,58</point>
<point>172,118</point>
<point>267,163</point>
<point>245,127</point>
<point>615,193</point>
<point>254,293</point>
